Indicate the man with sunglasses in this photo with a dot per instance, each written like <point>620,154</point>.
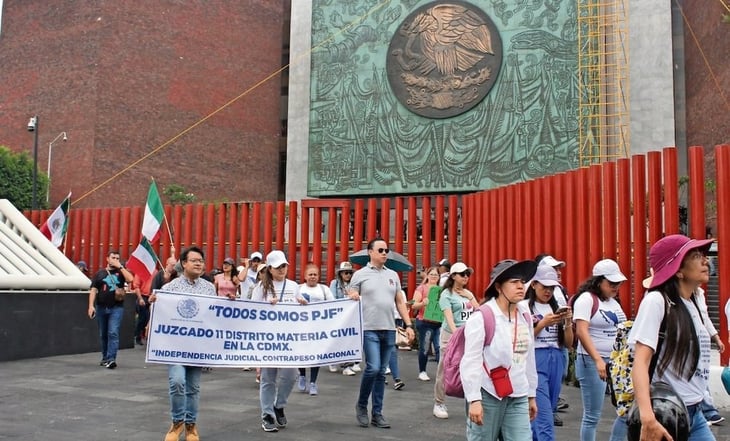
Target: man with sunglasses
<point>377,288</point>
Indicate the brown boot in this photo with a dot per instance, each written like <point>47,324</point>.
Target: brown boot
<point>175,431</point>
<point>191,432</point>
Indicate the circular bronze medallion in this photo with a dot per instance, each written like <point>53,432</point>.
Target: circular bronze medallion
<point>444,59</point>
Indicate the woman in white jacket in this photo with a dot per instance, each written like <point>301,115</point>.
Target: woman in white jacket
<point>505,405</point>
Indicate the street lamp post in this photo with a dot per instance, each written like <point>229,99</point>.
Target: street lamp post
<point>33,127</point>
<point>50,152</point>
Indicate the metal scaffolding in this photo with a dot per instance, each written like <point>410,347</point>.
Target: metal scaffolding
<point>603,71</point>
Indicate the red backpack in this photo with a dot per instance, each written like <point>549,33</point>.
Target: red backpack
<point>455,352</point>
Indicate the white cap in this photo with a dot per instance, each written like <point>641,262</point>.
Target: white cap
<point>256,255</point>
<point>609,269</point>
<point>276,258</point>
<point>551,261</point>
<point>546,275</point>
<point>460,267</point>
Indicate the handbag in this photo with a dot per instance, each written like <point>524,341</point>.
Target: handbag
<point>726,379</point>
<point>433,312</point>
<point>502,383</point>
<point>119,294</point>
<point>401,337</point>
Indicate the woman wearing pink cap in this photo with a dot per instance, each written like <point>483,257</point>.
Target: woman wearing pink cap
<point>680,266</point>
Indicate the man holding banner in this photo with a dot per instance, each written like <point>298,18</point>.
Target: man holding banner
<point>185,380</point>
<point>377,288</point>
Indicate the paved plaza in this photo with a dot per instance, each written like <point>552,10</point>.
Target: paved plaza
<point>71,398</point>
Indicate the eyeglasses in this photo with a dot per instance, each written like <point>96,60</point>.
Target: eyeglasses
<point>614,284</point>
<point>282,266</point>
<point>195,261</point>
<point>382,250</point>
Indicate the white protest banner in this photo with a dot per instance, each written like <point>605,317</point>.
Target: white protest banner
<point>214,331</point>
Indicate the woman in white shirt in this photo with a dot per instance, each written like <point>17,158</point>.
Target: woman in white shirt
<point>596,314</point>
<point>680,267</point>
<point>505,404</point>
<point>553,332</point>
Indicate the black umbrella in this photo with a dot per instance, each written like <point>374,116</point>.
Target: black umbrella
<point>396,261</point>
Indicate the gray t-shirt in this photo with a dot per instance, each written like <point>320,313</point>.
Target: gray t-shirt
<point>377,288</point>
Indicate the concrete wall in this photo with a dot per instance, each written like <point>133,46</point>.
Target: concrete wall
<point>37,324</point>
<point>651,71</point>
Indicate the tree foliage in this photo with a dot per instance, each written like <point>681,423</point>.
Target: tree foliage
<point>177,195</point>
<point>16,180</point>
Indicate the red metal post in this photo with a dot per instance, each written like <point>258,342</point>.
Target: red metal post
<point>211,260</point>
<point>124,227</point>
<point>623,188</point>
<point>722,202</point>
<point>426,231</point>
<point>223,237</point>
<point>345,232</point>
<point>696,167</point>
<point>412,230</point>
<point>256,229</point>
<point>245,214</point>
<point>671,190</point>
<point>454,216</point>
<point>372,222</point>
<point>358,223</point>
<point>595,213</point>
<point>654,188</point>
<point>177,231</point>
<point>329,272</point>
<point>232,218</point>
<point>440,225</point>
<point>638,192</point>
<point>280,224</point>
<point>610,248</point>
<point>268,225</point>
<point>385,219</point>
<point>293,218</point>
<point>316,256</point>
<point>303,242</point>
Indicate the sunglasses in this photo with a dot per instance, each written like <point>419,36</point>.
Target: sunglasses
<point>613,284</point>
<point>346,273</point>
<point>464,274</point>
<point>383,250</point>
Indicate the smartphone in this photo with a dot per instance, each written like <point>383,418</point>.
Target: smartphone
<point>562,310</point>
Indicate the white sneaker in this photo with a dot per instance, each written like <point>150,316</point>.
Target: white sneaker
<point>423,376</point>
<point>348,371</point>
<point>333,368</point>
<point>387,371</point>
<point>439,411</point>
<point>356,367</point>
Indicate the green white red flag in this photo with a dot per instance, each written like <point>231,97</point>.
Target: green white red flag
<point>54,228</point>
<point>143,260</point>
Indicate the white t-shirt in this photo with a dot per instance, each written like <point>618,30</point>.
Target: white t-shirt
<point>548,336</point>
<point>646,331</point>
<point>602,326</point>
<point>318,293</point>
<point>727,313</point>
<point>286,291</point>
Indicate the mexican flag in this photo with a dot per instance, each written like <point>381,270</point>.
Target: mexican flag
<point>143,260</point>
<point>55,226</point>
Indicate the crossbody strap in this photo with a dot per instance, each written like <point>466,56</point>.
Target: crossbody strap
<point>660,342</point>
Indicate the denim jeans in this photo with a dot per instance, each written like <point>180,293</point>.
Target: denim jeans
<point>549,363</point>
<point>143,317</point>
<point>184,392</point>
<point>593,392</point>
<point>109,320</point>
<point>699,430</point>
<point>377,347</point>
<point>428,334</point>
<point>508,416</point>
<point>272,394</point>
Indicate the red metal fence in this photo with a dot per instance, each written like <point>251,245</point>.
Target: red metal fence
<point>580,216</point>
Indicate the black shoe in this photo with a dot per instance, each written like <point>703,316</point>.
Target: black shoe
<point>362,416</point>
<point>280,417</point>
<point>267,423</point>
<point>103,363</point>
<point>111,364</point>
<point>557,421</point>
<point>398,385</point>
<point>379,421</point>
<point>562,404</point>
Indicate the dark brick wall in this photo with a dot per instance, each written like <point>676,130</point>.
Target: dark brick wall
<point>124,79</point>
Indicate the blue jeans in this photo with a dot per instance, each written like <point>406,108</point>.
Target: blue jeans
<point>549,363</point>
<point>143,317</point>
<point>428,334</point>
<point>508,416</point>
<point>109,320</point>
<point>699,431</point>
<point>620,429</point>
<point>377,347</point>
<point>184,392</point>
<point>272,394</point>
<point>593,391</point>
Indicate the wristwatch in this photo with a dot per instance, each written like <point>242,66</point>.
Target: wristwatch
<point>409,325</point>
